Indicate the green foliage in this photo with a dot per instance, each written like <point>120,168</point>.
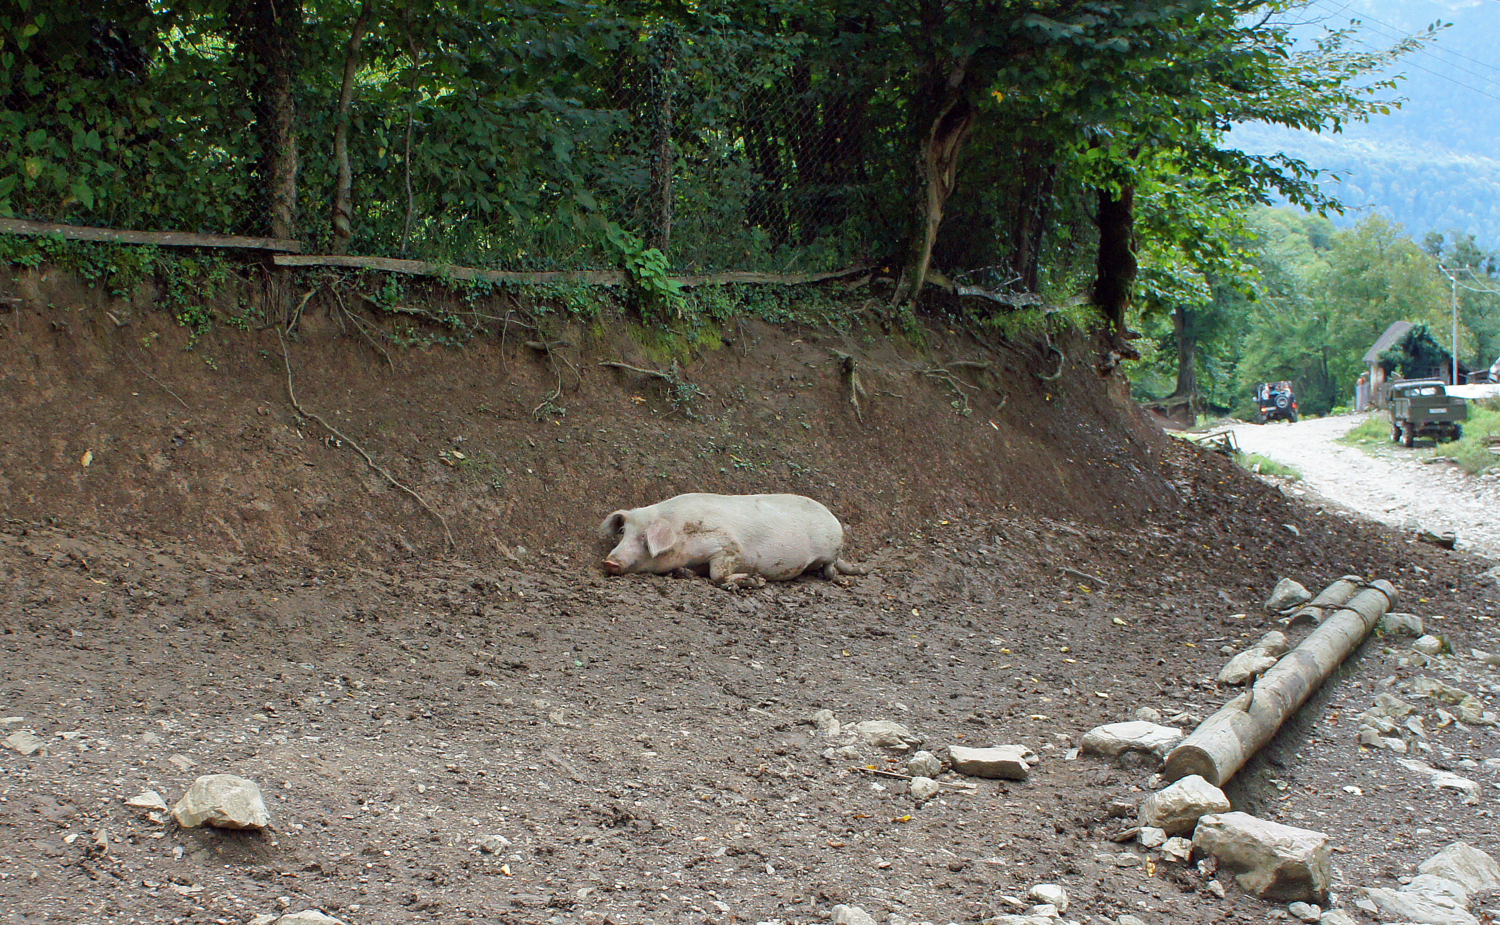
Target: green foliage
<point>1262,465</point>
<point>1374,430</point>
<point>189,284</point>
<point>121,124</point>
<point>119,268</point>
<point>488,134</point>
<point>1416,355</point>
<point>1474,451</point>
<point>646,268</point>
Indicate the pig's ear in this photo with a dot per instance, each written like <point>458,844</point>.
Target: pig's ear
<point>660,537</point>
<point>612,525</point>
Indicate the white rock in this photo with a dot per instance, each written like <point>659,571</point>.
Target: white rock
<point>1178,849</point>
<point>1401,624</point>
<point>1430,645</point>
<point>883,733</point>
<point>1274,643</point>
<point>924,764</point>
<point>1050,894</point>
<point>1405,906</point>
<point>1444,780</point>
<point>924,788</point>
<point>1275,862</point>
<point>146,799</point>
<point>1435,887</point>
<point>23,743</point>
<point>308,917</point>
<point>1393,706</point>
<point>1286,595</point>
<point>1151,837</point>
<point>1006,762</point>
<point>1305,911</point>
<point>1115,739</point>
<point>825,723</point>
<point>1466,865</point>
<point>224,801</point>
<point>1176,809</point>
<point>851,915</point>
<point>1249,664</point>
<point>1336,917</point>
<point>1487,658</point>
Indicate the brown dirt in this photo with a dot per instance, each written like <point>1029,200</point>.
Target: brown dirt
<point>226,587</point>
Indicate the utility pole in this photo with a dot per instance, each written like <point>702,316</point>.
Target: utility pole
<point>1454,336</point>
<point>1451,273</point>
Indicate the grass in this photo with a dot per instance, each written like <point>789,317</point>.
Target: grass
<point>1472,451</point>
<point>1376,429</point>
<point>1260,465</point>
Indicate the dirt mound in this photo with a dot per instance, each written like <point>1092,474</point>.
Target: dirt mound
<point>206,580</point>
<point>528,440</point>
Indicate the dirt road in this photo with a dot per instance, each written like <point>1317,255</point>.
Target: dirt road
<point>1394,485</point>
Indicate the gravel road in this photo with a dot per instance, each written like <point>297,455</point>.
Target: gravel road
<point>1397,486</point>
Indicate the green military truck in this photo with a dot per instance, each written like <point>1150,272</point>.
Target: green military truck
<point>1423,408</point>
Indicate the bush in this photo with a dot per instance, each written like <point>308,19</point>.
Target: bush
<point>1261,465</point>
<point>1472,451</point>
<point>1375,429</point>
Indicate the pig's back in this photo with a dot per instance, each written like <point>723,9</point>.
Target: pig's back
<point>779,535</point>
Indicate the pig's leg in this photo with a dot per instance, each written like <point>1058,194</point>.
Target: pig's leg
<point>836,570</point>
<point>723,568</point>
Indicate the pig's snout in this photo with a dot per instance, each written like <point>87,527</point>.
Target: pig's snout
<point>611,567</point>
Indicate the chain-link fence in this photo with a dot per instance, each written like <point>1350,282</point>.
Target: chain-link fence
<point>490,140</point>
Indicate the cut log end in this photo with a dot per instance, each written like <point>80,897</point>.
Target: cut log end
<point>1185,760</point>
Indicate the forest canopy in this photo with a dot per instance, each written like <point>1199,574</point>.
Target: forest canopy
<point>1027,148</point>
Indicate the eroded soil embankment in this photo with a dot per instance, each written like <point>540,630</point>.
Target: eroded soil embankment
<point>117,418</point>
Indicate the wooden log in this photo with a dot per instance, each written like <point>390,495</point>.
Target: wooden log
<point>447,271</point>
<point>1222,744</point>
<point>587,277</point>
<point>1329,599</point>
<point>158,238</point>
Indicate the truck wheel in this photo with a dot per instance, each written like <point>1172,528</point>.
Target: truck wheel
<point>1458,432</point>
<point>1408,434</point>
<point>1292,416</point>
<point>1395,433</point>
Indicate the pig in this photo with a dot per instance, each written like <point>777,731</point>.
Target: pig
<point>739,540</point>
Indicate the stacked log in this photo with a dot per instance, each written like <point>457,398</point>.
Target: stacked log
<point>1222,744</point>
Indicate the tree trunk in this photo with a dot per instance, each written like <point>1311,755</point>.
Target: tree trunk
<point>1116,264</point>
<point>269,34</point>
<point>1187,361</point>
<point>411,118</point>
<point>663,68</point>
<point>343,196</point>
<point>937,172</point>
<point>1030,224</point>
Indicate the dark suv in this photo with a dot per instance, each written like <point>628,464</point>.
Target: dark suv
<point>1274,401</point>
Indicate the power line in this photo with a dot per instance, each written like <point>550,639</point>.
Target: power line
<point>1449,271</point>
<point>1428,50</point>
<point>1403,34</point>
<point>1419,67</point>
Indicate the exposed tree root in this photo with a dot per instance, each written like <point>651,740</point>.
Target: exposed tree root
<point>369,460</point>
